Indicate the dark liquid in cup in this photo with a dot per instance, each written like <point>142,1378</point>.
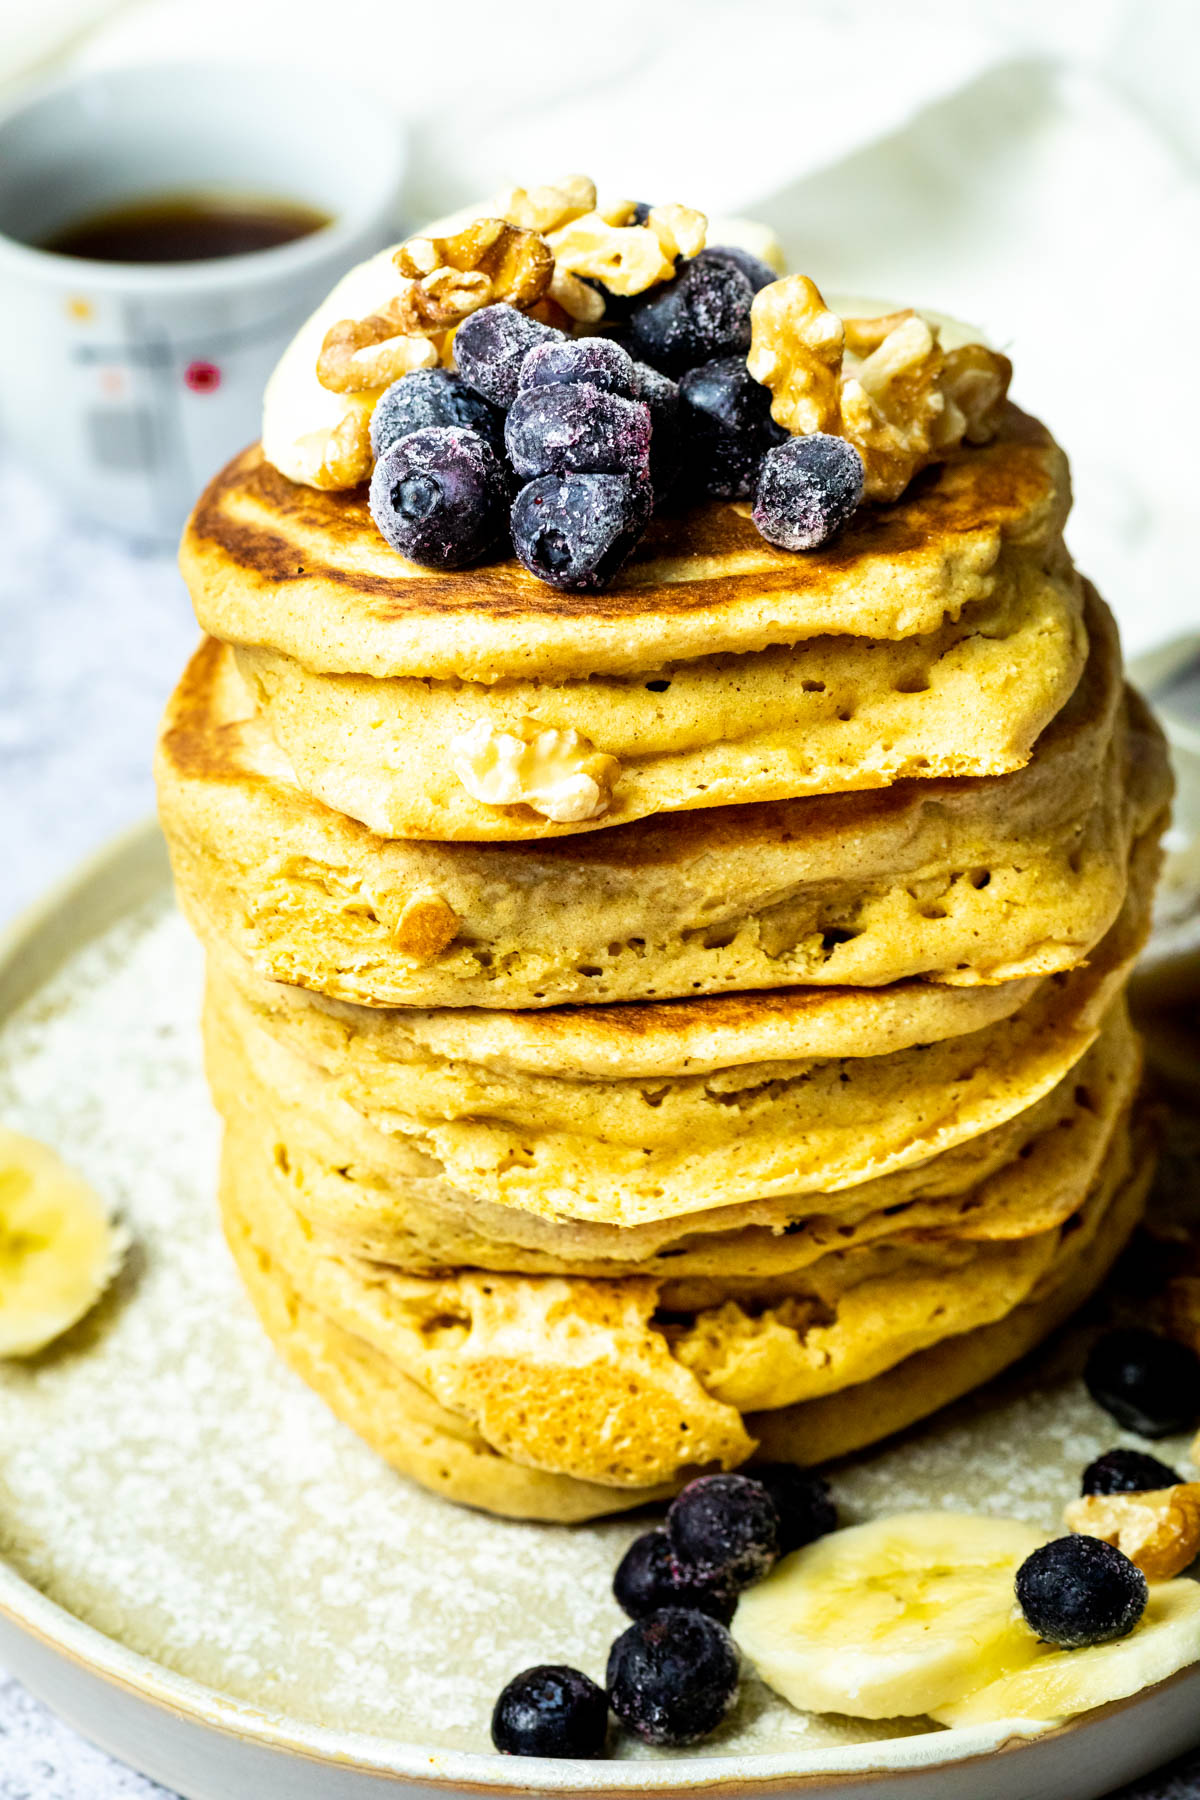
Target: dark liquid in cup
<point>185,228</point>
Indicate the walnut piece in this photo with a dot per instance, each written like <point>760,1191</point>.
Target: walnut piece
<point>680,230</point>
<point>371,353</point>
<point>516,262</point>
<point>975,380</point>
<point>560,774</point>
<point>547,208</point>
<point>796,346</point>
<point>892,408</point>
<point>626,259</point>
<point>577,299</point>
<point>1159,1531</point>
<point>341,456</point>
<point>865,335</point>
<point>425,927</point>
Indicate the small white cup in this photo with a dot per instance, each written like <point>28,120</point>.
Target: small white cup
<point>129,385</point>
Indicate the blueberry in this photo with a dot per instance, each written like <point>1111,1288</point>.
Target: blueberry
<point>599,360</point>
<point>758,273</point>
<point>1149,1384</point>
<point>491,345</point>
<point>1127,1472</point>
<point>1078,1591</point>
<point>641,211</point>
<point>802,1501</point>
<point>727,427</point>
<point>575,428</point>
<point>551,1710</point>
<point>661,395</point>
<point>673,1676</point>
<point>703,313</point>
<point>725,1529</point>
<point>575,531</point>
<point>439,496</point>
<point>806,490</point>
<point>432,397</point>
<point>649,1577</point>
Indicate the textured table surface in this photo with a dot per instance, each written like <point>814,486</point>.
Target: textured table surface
<point>92,636</point>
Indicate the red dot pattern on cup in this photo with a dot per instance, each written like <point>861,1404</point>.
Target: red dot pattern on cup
<point>202,377</point>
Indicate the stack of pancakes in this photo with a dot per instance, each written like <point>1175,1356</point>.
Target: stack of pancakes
<point>780,1104</point>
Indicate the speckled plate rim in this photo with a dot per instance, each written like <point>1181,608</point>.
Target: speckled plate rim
<point>43,1641</point>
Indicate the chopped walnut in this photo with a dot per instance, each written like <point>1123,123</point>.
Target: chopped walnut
<point>425,927</point>
<point>575,297</point>
<point>975,380</point>
<point>361,354</point>
<point>516,262</point>
<point>680,230</point>
<point>339,457</point>
<point>865,335</point>
<point>560,774</point>
<point>548,208</point>
<point>626,259</point>
<point>796,348</point>
<point>892,408</point>
<point>1159,1531</point>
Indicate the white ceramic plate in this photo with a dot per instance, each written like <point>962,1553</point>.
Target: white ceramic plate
<point>214,1580</point>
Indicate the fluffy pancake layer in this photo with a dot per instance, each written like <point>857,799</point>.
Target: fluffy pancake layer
<point>596,1383</point>
<point>283,567</point>
<point>825,715</point>
<point>959,882</point>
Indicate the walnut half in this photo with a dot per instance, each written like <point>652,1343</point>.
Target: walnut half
<point>1159,1531</point>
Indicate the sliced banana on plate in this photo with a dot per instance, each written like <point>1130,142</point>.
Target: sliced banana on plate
<point>896,1618</point>
<point>1056,1684</point>
<point>59,1249</point>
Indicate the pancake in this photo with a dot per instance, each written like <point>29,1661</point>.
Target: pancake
<point>359,1195</point>
<point>647,1146</point>
<point>957,882</point>
<point>589,1381</point>
<point>824,715</point>
<point>277,566</point>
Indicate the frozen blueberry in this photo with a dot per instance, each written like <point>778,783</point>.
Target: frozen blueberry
<point>551,1710</point>
<point>673,1676</point>
<point>575,531</point>
<point>1149,1384</point>
<point>1127,1472</point>
<point>727,427</point>
<point>703,313</point>
<point>661,395</point>
<point>574,427</point>
<point>599,360</point>
<point>803,1504</point>
<point>758,273</point>
<point>491,345</point>
<point>806,490</point>
<point>725,1529</point>
<point>1078,1591</point>
<point>440,496</point>
<point>649,1576</point>
<point>641,211</point>
<point>432,397</point>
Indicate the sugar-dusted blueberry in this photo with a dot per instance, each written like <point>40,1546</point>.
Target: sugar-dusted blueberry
<point>551,1710</point>
<point>575,531</point>
<point>599,360</point>
<point>432,397</point>
<point>727,427</point>
<point>673,1676</point>
<point>806,490</point>
<point>1149,1384</point>
<point>725,1529</point>
<point>440,496</point>
<point>804,1506</point>
<point>661,395</point>
<point>1127,1472</point>
<point>1078,1591</point>
<point>758,273</point>
<point>650,1576</point>
<point>573,427</point>
<point>490,346</point>
<point>703,313</point>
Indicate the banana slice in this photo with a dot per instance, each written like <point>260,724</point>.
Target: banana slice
<point>891,1619</point>
<point>1059,1683</point>
<point>58,1247</point>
